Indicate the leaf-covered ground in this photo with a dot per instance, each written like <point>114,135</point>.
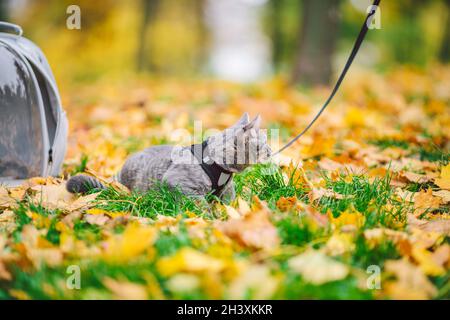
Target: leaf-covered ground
<point>366,190</point>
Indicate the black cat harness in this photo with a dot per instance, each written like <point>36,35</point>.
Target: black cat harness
<point>218,175</point>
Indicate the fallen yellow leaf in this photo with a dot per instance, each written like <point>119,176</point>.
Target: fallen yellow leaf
<point>189,260</point>
<point>444,180</point>
<point>317,268</point>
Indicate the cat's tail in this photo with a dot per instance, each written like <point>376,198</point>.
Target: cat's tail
<point>82,183</point>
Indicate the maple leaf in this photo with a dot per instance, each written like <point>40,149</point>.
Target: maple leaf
<point>286,204</point>
<point>254,230</point>
<point>53,196</point>
<point>424,201</point>
<point>444,180</point>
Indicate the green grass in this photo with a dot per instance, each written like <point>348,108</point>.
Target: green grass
<point>367,197</point>
<point>267,182</point>
<point>23,219</point>
<point>293,230</point>
<point>169,243</point>
<point>159,200</point>
<point>389,143</point>
<point>433,153</point>
<point>365,255</point>
<point>86,231</point>
<point>93,272</point>
<point>425,152</point>
<point>294,287</point>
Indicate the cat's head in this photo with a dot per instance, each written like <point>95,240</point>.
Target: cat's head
<point>241,145</point>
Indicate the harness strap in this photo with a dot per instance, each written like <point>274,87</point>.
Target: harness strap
<point>356,46</point>
<point>219,176</point>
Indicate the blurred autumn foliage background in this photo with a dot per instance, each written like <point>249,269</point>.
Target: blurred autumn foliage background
<point>368,185</point>
<point>245,40</point>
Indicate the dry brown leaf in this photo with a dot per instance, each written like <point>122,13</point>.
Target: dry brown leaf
<point>425,201</point>
<point>411,282</point>
<point>5,200</point>
<point>125,290</point>
<point>97,219</point>
<point>441,226</point>
<point>377,235</point>
<point>4,273</point>
<point>254,230</point>
<point>286,204</point>
<point>243,206</point>
<point>318,193</point>
<point>415,177</point>
<point>321,219</point>
<point>38,250</point>
<point>83,202</point>
<point>329,165</point>
<point>444,180</point>
<point>53,196</point>
<point>443,194</point>
<point>232,212</point>
<point>441,255</point>
<point>10,196</point>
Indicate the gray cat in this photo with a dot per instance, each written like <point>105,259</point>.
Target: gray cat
<point>196,170</point>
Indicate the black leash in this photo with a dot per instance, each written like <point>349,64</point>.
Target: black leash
<point>356,46</point>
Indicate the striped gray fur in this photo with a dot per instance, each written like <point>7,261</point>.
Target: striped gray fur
<point>234,149</point>
<point>83,183</point>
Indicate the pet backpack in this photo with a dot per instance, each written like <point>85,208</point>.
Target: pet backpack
<point>33,125</point>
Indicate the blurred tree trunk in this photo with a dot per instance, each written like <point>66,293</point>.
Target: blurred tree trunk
<point>149,8</point>
<point>202,53</point>
<point>277,34</point>
<point>3,11</point>
<point>444,54</point>
<point>317,41</point>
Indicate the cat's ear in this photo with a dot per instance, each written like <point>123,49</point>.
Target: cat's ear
<point>245,119</point>
<point>254,124</point>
